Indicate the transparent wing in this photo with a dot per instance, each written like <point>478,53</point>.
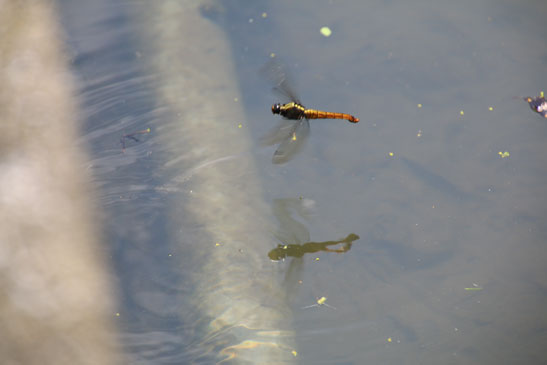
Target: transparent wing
<point>291,134</point>
<point>282,131</point>
<point>277,74</point>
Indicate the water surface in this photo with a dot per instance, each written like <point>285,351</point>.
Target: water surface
<point>419,179</point>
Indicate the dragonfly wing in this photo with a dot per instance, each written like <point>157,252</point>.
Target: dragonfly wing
<point>276,73</point>
<point>293,143</point>
<point>282,131</point>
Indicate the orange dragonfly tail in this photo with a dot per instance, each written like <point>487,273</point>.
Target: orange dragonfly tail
<point>319,114</point>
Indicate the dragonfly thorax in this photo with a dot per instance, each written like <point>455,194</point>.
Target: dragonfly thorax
<point>290,110</point>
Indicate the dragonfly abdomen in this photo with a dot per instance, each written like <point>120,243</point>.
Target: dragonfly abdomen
<point>319,114</point>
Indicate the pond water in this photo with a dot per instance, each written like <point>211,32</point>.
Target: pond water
<point>449,266</point>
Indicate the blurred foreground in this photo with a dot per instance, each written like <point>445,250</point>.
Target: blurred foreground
<point>56,304</point>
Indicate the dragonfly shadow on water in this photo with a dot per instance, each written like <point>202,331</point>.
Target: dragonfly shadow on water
<point>295,237</point>
<point>296,250</point>
<point>293,131</point>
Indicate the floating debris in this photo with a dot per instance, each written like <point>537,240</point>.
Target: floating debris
<point>538,104</point>
<point>325,31</point>
<point>132,137</point>
<point>503,154</point>
<point>321,301</point>
<point>475,287</point>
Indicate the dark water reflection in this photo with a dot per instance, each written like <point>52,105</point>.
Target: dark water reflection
<point>436,207</point>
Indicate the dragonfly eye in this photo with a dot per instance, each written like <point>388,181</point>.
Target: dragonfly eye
<point>276,108</point>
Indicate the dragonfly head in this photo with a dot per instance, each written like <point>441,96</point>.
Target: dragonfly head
<point>276,108</point>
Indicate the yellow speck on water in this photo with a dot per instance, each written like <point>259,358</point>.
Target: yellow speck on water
<point>541,95</point>
<point>461,112</point>
<point>170,255</point>
<point>320,302</point>
<point>272,55</point>
<point>294,136</point>
<point>490,108</point>
<point>295,354</point>
<point>389,339</point>
<point>264,15</point>
<point>239,125</point>
<point>236,100</point>
<point>503,154</point>
<point>317,259</point>
<point>117,314</point>
<point>217,244</point>
<point>325,31</point>
<point>419,105</point>
<point>419,134</point>
<point>391,154</point>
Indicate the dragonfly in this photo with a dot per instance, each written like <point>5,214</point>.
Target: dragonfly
<point>294,129</point>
